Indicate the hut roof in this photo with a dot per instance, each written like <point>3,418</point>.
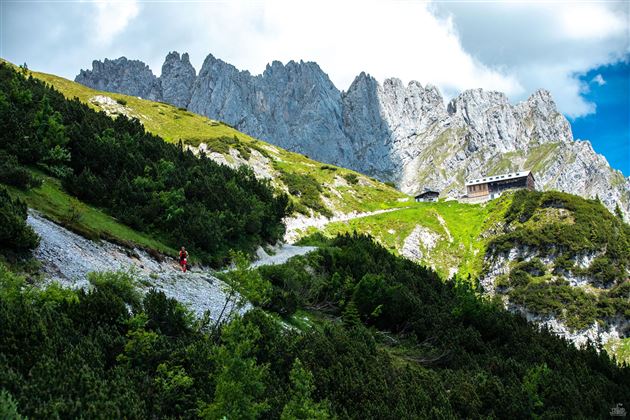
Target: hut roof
<point>502,177</point>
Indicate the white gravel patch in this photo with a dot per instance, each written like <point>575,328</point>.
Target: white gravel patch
<point>281,255</point>
<point>67,258</point>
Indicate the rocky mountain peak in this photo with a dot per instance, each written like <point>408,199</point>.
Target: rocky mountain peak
<point>211,64</point>
<point>542,104</point>
<point>362,80</point>
<point>272,67</point>
<point>131,77</point>
<point>177,79</point>
<point>307,73</point>
<point>394,132</point>
<point>476,101</point>
<point>173,59</point>
<point>542,97</point>
<point>394,83</point>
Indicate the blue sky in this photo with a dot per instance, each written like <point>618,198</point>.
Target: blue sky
<point>515,47</point>
<point>608,128</point>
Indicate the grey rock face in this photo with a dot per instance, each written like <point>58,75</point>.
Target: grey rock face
<point>177,80</point>
<point>131,77</point>
<point>297,105</point>
<point>393,132</point>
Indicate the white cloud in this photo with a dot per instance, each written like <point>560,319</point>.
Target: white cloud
<point>590,21</point>
<point>515,47</point>
<point>599,79</point>
<point>545,44</point>
<point>383,38</point>
<point>512,47</point>
<point>112,17</point>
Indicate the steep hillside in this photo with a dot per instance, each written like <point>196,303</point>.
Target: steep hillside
<point>558,259</point>
<point>404,134</point>
<point>143,181</point>
<point>563,262</point>
<point>315,188</point>
<point>443,235</point>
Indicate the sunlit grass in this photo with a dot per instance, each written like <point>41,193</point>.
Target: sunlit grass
<point>60,207</point>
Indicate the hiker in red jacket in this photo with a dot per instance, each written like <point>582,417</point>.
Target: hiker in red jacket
<point>183,259</point>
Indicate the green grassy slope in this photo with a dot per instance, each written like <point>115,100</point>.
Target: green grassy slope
<point>326,189</point>
<point>458,228</point>
<point>53,202</point>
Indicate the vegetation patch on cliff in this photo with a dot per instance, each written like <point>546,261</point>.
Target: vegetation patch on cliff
<point>587,250</point>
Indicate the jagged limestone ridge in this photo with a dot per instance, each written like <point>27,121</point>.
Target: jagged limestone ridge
<point>393,132</point>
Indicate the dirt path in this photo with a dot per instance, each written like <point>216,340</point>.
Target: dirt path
<point>67,258</point>
<point>281,254</point>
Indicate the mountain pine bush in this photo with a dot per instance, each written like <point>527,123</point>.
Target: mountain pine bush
<point>15,234</point>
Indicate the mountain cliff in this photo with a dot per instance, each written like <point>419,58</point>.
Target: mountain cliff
<point>404,134</point>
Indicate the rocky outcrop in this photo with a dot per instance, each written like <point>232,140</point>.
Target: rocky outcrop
<point>596,333</point>
<point>601,331</point>
<point>393,132</point>
<point>419,243</point>
<point>177,80</point>
<point>131,77</point>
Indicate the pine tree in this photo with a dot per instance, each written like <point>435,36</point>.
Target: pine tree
<point>350,315</point>
<point>51,133</point>
<point>240,381</point>
<point>8,407</point>
<point>301,404</point>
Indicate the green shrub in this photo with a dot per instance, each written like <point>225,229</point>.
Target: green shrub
<point>533,267</point>
<point>605,271</point>
<point>12,173</point>
<point>519,278</point>
<point>121,283</point>
<point>15,234</point>
<point>351,178</point>
<point>121,101</point>
<point>8,407</point>
<point>308,189</point>
<point>563,263</point>
<point>167,316</point>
